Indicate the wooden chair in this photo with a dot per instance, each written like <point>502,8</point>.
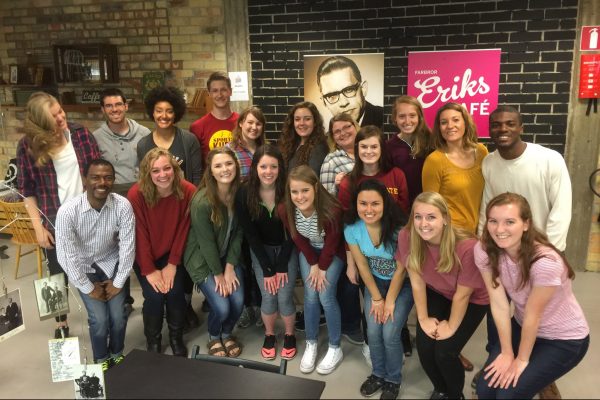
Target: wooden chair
<point>22,232</point>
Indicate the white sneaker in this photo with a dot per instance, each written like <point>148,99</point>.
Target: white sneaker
<point>331,360</point>
<point>307,364</point>
<point>366,352</point>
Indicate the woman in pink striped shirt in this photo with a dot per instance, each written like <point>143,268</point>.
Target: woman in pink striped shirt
<point>548,334</point>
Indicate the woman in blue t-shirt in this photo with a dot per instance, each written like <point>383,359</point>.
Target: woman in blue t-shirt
<point>373,223</point>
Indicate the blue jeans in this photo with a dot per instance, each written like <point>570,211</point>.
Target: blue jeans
<point>549,360</point>
<point>327,298</point>
<point>384,339</point>
<point>107,321</point>
<point>224,311</point>
<point>283,301</point>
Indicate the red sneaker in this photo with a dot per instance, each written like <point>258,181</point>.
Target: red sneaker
<point>268,350</point>
<point>288,351</point>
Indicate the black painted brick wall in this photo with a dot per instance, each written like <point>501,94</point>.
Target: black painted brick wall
<point>536,38</point>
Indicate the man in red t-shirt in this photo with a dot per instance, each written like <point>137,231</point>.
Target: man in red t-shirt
<point>214,129</point>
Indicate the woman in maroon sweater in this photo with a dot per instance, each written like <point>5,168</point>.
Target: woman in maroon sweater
<point>160,203</point>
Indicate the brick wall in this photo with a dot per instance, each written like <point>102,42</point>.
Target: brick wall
<point>536,38</point>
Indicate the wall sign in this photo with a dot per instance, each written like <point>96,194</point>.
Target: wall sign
<point>468,77</point>
<point>589,38</point>
<point>589,76</point>
<point>90,96</point>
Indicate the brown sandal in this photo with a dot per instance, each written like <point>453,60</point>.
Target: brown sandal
<point>232,347</point>
<point>215,346</point>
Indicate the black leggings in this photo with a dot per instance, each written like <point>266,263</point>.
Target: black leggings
<point>439,358</point>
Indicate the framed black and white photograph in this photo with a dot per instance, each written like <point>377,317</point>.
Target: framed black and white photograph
<point>11,316</point>
<point>14,74</point>
<point>89,381</point>
<point>51,296</point>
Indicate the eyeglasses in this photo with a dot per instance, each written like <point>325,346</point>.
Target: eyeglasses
<point>346,128</point>
<point>348,92</point>
<point>116,105</point>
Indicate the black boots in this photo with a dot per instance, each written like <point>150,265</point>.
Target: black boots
<point>175,321</point>
<point>152,330</point>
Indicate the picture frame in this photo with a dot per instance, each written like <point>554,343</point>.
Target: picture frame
<point>51,296</point>
<point>14,74</point>
<point>11,315</point>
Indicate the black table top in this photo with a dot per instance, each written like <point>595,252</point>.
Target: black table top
<point>150,375</point>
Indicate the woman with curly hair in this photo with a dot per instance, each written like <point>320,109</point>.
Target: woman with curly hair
<point>303,140</point>
<point>248,135</point>
<point>51,158</point>
<point>212,254</point>
<point>166,106</point>
<point>160,201</point>
<point>548,334</point>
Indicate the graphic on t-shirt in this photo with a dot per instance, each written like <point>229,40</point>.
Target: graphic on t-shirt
<point>219,139</point>
<point>384,267</point>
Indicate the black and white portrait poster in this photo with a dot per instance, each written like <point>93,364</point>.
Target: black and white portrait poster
<point>11,316</point>
<point>51,296</point>
<point>346,83</point>
<point>89,381</point>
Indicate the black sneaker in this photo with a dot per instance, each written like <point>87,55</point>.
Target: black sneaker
<point>299,324</point>
<point>61,332</point>
<point>371,386</point>
<point>390,391</point>
<point>435,395</point>
<point>406,343</point>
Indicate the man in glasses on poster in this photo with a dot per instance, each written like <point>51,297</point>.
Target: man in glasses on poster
<point>343,91</point>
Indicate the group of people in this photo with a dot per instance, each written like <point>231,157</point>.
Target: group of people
<point>426,218</point>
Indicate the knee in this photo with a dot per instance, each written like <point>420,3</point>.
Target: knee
<point>328,298</point>
<point>268,304</point>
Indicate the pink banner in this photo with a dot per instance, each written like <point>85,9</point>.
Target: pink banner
<point>468,77</point>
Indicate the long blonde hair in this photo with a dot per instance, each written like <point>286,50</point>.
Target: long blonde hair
<point>450,237</point>
<point>147,187</point>
<point>40,126</point>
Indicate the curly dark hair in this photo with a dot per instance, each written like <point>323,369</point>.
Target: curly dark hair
<point>171,95</point>
<point>289,142</point>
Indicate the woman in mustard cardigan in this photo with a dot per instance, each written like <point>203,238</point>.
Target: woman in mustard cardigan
<point>212,252</point>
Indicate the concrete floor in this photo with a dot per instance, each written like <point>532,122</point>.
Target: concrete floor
<point>25,368</point>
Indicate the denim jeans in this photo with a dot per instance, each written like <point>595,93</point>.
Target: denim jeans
<point>107,320</point>
<point>384,339</point>
<point>327,298</point>
<point>224,311</point>
<point>283,301</point>
<point>549,360</point>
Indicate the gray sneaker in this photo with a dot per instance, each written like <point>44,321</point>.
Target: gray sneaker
<point>355,337</point>
<point>247,318</point>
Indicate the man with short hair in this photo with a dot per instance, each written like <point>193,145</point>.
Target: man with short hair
<point>343,91</point>
<point>95,241</point>
<point>12,314</point>
<point>215,128</point>
<point>47,295</point>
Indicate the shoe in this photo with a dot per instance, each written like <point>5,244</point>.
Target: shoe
<point>288,351</point>
<point>371,386</point>
<point>107,364</point>
<point>62,332</point>
<point>307,364</point>
<point>355,337</point>
<point>128,309</point>
<point>476,378</point>
<point>406,343</point>
<point>205,306</point>
<point>268,351</point>
<point>550,392</point>
<point>175,322</point>
<point>191,320</point>
<point>438,396</point>
<point>152,331</point>
<point>390,391</point>
<point>299,324</point>
<point>366,352</point>
<point>258,315</point>
<point>118,360</point>
<point>247,318</point>
<point>331,360</point>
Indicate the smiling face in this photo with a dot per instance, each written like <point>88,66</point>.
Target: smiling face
<point>452,126</point>
<point>428,222</point>
<point>505,130</point>
<point>304,123</point>
<point>162,175</point>
<point>114,108</point>
<point>59,116</point>
<point>342,81</point>
<point>220,93</point>
<point>267,170</point>
<point>303,196</point>
<point>506,227</point>
<point>344,133</point>
<point>223,168</point>
<point>251,128</point>
<point>164,114</point>
<point>407,118</point>
<point>369,151</point>
<point>98,183</point>
<point>369,206</point>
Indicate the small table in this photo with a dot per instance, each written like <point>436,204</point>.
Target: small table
<point>145,375</point>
